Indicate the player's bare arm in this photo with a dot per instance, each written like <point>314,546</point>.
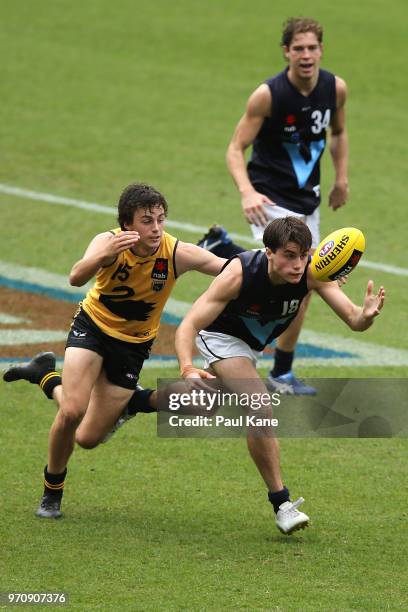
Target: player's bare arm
<point>358,318</point>
<point>339,149</point>
<point>102,251</point>
<point>258,107</point>
<point>209,305</point>
<point>191,257</point>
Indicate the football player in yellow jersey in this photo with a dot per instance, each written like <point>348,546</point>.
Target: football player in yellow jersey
<point>135,268</point>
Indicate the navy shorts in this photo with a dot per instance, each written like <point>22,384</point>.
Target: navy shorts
<point>122,361</point>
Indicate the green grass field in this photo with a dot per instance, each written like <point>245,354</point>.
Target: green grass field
<point>97,95</point>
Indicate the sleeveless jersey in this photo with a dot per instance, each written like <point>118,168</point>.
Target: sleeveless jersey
<point>128,296</point>
<point>285,160</point>
<point>262,311</point>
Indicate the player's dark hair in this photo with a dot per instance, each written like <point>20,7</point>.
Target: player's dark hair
<point>138,195</point>
<point>299,25</point>
<point>279,232</point>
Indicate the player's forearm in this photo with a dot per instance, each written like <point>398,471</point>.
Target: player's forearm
<point>185,334</point>
<point>237,167</point>
<point>85,269</point>
<point>339,154</point>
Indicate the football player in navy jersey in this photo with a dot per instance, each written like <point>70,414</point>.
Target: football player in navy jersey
<point>285,121</point>
<point>252,301</point>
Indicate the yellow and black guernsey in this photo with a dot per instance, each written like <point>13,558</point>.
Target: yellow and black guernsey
<point>128,296</point>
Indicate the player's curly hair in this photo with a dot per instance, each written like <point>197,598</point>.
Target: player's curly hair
<point>299,25</point>
<point>138,195</point>
<point>287,229</point>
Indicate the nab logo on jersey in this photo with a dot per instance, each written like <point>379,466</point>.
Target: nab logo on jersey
<point>290,127</point>
<point>160,273</point>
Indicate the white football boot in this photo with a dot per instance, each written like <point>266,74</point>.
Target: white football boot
<point>289,519</point>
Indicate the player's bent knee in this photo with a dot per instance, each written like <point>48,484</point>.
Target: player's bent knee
<point>88,436</point>
<point>70,419</point>
<point>71,413</point>
<point>87,444</point>
<point>86,441</point>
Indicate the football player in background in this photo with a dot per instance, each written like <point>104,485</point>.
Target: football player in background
<point>285,121</point>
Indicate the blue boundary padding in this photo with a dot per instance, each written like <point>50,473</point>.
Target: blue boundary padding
<point>302,350</point>
<point>57,294</point>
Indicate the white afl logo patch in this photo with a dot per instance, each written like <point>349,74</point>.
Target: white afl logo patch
<point>326,248</point>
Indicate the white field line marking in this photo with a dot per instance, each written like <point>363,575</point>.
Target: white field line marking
<point>40,277</point>
<point>99,208</point>
<point>43,278</point>
<point>159,364</point>
<point>194,229</point>
<point>13,337</point>
<point>11,319</point>
<point>367,354</point>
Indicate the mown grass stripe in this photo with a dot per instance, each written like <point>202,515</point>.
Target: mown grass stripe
<point>188,227</point>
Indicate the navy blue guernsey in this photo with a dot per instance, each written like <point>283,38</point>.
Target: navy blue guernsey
<point>285,160</point>
<point>262,311</point>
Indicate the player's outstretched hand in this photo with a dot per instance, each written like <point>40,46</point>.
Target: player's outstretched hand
<point>373,302</point>
<point>190,371</point>
<point>338,195</point>
<point>252,205</point>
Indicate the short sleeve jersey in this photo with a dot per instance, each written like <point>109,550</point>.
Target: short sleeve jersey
<point>285,160</point>
<point>128,296</point>
<point>262,311</point>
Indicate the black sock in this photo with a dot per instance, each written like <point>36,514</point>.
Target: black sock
<point>278,498</point>
<point>48,383</point>
<point>54,483</point>
<point>283,362</point>
<point>139,402</point>
<point>227,250</point>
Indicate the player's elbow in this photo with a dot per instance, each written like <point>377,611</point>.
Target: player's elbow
<point>78,280</point>
<point>75,280</point>
<point>235,151</point>
<point>338,131</point>
<point>76,277</point>
<point>229,156</point>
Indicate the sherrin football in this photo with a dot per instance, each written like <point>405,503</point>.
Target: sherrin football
<point>338,254</point>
